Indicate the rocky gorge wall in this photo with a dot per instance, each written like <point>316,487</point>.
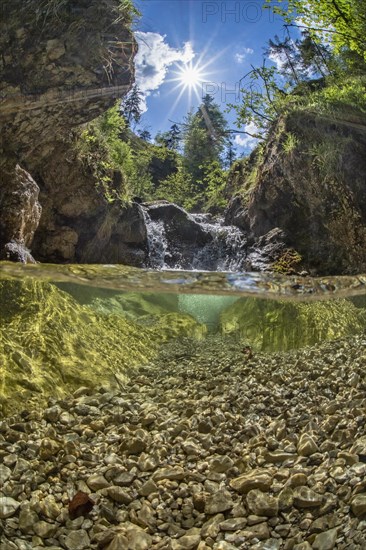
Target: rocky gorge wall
<point>304,196</point>
<point>300,201</point>
<point>64,63</point>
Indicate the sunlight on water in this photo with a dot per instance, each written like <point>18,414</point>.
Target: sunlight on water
<point>125,278</point>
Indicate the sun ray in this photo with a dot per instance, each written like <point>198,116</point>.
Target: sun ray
<point>189,79</point>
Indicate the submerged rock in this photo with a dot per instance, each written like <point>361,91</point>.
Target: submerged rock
<point>8,507</point>
<point>165,497</point>
<point>275,325</point>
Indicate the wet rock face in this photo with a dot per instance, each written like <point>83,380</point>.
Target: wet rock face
<point>80,226</point>
<point>315,193</point>
<point>179,225</point>
<point>60,62</point>
<point>20,212</point>
<point>57,49</point>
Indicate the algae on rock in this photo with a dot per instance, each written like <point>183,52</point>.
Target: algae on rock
<point>279,326</point>
<point>50,344</point>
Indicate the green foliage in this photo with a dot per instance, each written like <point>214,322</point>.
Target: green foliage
<point>128,11</point>
<point>204,139</point>
<point>342,22</point>
<point>290,143</point>
<point>177,188</point>
<point>213,184</point>
<point>171,139</point>
<point>348,94</point>
<point>131,106</point>
<point>103,151</point>
<point>262,100</point>
<point>327,79</point>
<point>162,163</point>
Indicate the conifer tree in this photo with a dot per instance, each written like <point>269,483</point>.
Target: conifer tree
<point>131,106</point>
<point>205,138</point>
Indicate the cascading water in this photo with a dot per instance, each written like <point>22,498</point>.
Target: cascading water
<point>225,250</point>
<point>157,243</point>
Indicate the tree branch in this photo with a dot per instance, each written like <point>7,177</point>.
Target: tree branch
<point>317,29</point>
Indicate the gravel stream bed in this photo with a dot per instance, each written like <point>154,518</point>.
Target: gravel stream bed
<point>207,448</point>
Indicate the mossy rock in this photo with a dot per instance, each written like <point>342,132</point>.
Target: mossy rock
<point>289,263</point>
<point>50,344</point>
<point>282,325</point>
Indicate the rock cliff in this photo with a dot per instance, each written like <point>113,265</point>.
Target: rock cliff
<point>307,184</point>
<point>63,63</point>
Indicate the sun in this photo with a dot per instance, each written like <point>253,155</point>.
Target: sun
<point>190,77</point>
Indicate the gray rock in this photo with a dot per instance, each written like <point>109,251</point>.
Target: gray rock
<point>220,501</point>
<point>326,540</point>
<point>27,519</point>
<point>358,505</point>
<point>77,540</point>
<point>8,507</point>
<point>306,498</point>
<point>118,494</point>
<point>256,479</point>
<point>187,542</point>
<point>96,482</point>
<point>307,445</point>
<point>5,473</point>
<point>233,524</point>
<point>174,474</point>
<point>262,504</point>
<point>44,529</point>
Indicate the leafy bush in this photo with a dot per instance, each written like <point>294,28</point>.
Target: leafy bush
<point>100,147</point>
<point>348,94</point>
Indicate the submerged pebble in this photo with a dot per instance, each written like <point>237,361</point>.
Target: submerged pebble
<point>203,449</point>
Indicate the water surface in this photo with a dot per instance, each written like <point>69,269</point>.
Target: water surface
<point>62,327</point>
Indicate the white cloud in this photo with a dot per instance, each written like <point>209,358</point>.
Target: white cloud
<point>278,59</point>
<point>153,59</point>
<point>243,54</point>
<point>246,141</point>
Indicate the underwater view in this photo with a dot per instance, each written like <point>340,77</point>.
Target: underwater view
<point>181,410</point>
<point>183,275</point>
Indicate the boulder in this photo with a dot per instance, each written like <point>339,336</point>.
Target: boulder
<point>179,225</point>
<point>20,213</point>
<point>180,233</point>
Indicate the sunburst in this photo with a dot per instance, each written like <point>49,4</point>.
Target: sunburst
<point>191,76</point>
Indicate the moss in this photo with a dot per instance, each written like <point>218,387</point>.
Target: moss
<point>290,143</point>
<point>243,175</point>
<point>289,263</point>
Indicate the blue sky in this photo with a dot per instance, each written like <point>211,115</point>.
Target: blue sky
<point>221,38</point>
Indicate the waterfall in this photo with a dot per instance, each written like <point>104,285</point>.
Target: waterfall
<point>157,243</point>
<point>225,251</point>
